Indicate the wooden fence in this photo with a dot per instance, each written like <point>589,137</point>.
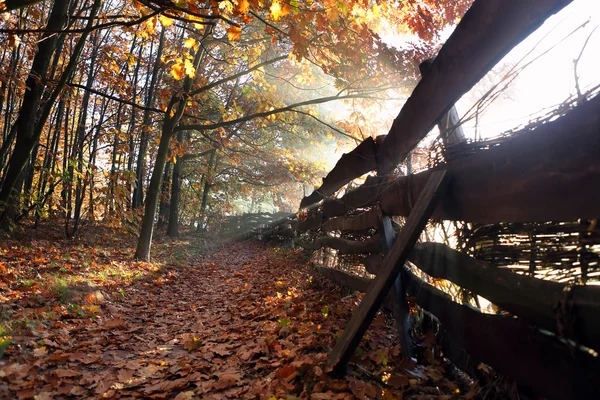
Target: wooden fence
<point>548,337</point>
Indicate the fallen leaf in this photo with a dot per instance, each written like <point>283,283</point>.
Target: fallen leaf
<point>398,381</point>
<point>125,375</point>
<point>284,372</point>
<point>113,323</point>
<point>65,373</point>
<point>226,381</point>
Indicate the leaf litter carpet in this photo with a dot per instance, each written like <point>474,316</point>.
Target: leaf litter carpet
<point>246,321</point>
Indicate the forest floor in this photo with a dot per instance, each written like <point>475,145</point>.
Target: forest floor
<point>80,319</point>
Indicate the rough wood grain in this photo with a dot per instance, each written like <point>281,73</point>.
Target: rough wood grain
<point>488,31</point>
<point>350,166</point>
<point>364,196</point>
<point>535,360</point>
<point>532,299</point>
<point>549,174</point>
<point>345,279</point>
<point>345,246</point>
<point>365,220</point>
<point>400,307</point>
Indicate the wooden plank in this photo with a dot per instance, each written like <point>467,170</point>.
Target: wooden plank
<point>487,32</point>
<point>392,265</point>
<point>312,222</point>
<point>535,360</point>
<point>548,174</point>
<point>344,246</point>
<point>449,125</point>
<point>360,222</point>
<point>350,166</point>
<point>364,220</point>
<point>365,195</point>
<point>532,299</point>
<point>263,229</point>
<point>373,263</point>
<point>345,279</point>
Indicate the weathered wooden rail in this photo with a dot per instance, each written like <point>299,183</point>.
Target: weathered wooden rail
<point>548,337</point>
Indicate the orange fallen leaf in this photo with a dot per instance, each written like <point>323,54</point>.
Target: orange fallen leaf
<point>284,372</point>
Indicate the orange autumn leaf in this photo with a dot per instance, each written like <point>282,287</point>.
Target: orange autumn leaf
<point>234,33</point>
<point>286,371</point>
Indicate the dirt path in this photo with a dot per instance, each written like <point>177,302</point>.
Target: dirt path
<point>247,321</point>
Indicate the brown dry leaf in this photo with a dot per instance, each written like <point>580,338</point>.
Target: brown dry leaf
<point>321,396</point>
<point>191,343</point>
<point>338,385</point>
<point>220,350</point>
<point>114,323</point>
<point>226,381</point>
<point>234,33</point>
<point>362,390</point>
<point>26,394</point>
<point>189,395</point>
<point>65,373</point>
<point>40,351</point>
<point>167,386</point>
<point>85,358</point>
<point>398,381</point>
<point>125,375</point>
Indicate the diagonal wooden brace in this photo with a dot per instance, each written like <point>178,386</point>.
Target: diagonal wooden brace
<point>390,270</point>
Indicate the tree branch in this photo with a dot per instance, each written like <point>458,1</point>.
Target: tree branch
<point>238,75</point>
<point>264,114</point>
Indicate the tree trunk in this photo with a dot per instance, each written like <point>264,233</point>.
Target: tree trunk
<point>29,132</point>
<point>173,115</point>
<point>25,124</point>
<point>173,227</point>
<point>141,161</point>
<point>163,212</point>
<point>145,241</point>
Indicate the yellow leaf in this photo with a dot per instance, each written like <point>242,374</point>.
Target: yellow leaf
<point>234,33</point>
<point>189,69</point>
<point>151,25</point>
<point>94,309</point>
<point>276,10</point>
<point>190,42</point>
<point>178,70</point>
<point>165,21</point>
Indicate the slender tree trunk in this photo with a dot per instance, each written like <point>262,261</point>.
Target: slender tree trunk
<point>173,227</point>
<point>172,117</point>
<point>212,167</point>
<point>138,196</point>
<point>112,180</point>
<point>163,211</point>
<point>145,240</point>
